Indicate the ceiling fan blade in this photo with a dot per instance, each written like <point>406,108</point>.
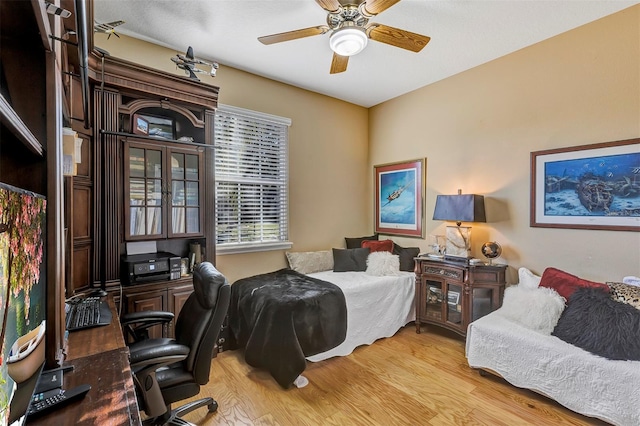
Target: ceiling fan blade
<point>292,35</point>
<point>373,7</point>
<point>339,63</point>
<point>397,37</point>
<point>330,5</point>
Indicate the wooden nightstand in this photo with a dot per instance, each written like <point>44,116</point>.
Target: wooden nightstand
<point>453,294</point>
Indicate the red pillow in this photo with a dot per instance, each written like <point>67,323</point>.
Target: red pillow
<point>382,245</point>
<point>565,284</point>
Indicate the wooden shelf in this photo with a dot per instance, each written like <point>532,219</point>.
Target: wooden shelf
<point>14,123</point>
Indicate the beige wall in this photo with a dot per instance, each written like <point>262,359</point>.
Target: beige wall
<point>327,155</point>
<point>477,130</point>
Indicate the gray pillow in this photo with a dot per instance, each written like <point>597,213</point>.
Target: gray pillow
<point>356,242</point>
<point>406,255</point>
<point>345,260</point>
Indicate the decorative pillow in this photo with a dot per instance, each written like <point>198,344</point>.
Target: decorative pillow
<point>528,279</point>
<point>345,260</point>
<point>625,293</point>
<point>308,262</point>
<point>381,263</point>
<point>382,245</point>
<point>565,284</point>
<point>356,242</point>
<point>407,263</point>
<point>631,280</point>
<point>598,324</point>
<point>535,308</point>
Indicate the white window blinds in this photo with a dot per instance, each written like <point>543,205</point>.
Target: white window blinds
<point>252,179</point>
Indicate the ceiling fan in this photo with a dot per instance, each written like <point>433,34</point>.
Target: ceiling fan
<point>348,22</point>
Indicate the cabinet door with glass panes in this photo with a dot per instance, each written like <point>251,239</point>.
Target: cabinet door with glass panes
<point>442,302</point>
<point>163,191</point>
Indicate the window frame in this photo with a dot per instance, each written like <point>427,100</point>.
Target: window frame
<point>283,173</point>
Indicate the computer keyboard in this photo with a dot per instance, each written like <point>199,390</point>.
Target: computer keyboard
<point>87,312</point>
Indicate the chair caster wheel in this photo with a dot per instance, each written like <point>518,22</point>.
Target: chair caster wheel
<point>213,407</point>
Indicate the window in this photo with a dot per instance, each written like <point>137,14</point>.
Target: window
<point>252,179</point>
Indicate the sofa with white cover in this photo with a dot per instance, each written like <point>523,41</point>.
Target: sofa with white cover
<point>582,350</point>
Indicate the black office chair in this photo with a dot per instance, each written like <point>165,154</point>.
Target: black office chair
<point>170,370</point>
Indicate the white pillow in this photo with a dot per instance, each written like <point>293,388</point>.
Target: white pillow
<point>528,279</point>
<point>308,262</point>
<point>631,280</point>
<point>381,263</point>
<point>538,309</point>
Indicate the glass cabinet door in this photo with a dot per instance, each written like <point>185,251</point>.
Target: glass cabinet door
<point>454,304</point>
<point>144,191</point>
<point>433,306</point>
<point>185,193</point>
<point>482,302</point>
<point>163,189</point>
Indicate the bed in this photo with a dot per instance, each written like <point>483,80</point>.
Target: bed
<point>326,305</point>
<point>377,307</point>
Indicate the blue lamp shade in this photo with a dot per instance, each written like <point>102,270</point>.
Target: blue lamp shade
<point>460,208</point>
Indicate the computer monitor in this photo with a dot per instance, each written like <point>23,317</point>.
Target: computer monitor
<point>22,298</point>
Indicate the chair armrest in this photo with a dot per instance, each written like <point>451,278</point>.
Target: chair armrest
<point>158,355</point>
<point>137,324</point>
<point>146,359</point>
<point>145,316</point>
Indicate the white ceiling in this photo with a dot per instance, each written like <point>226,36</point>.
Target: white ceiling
<point>463,34</point>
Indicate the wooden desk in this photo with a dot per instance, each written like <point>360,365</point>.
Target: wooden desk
<point>99,358</point>
<point>96,340</point>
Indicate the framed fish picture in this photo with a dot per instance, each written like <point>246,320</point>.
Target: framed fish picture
<point>399,195</point>
<point>587,187</point>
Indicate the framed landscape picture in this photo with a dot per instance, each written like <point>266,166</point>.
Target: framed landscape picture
<point>399,198</point>
<point>587,187</point>
<point>152,125</point>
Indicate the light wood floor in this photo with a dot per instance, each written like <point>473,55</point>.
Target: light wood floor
<point>408,379</point>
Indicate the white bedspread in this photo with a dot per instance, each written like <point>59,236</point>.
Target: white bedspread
<point>377,307</point>
<point>583,382</point>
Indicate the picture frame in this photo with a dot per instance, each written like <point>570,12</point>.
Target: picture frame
<point>435,295</point>
<point>399,198</point>
<point>154,126</point>
<point>593,186</point>
<point>185,269</point>
<point>140,126</point>
<point>453,298</point>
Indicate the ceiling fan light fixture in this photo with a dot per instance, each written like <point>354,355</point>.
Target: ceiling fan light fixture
<point>348,41</point>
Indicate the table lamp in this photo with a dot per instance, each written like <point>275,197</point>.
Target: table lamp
<point>459,208</point>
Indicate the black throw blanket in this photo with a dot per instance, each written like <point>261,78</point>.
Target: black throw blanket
<point>284,316</point>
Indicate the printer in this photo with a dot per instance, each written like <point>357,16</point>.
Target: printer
<point>146,267</point>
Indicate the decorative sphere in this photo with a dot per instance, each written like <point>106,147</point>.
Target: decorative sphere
<point>491,250</point>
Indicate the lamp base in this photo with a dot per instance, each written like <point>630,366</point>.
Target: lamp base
<point>458,242</point>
